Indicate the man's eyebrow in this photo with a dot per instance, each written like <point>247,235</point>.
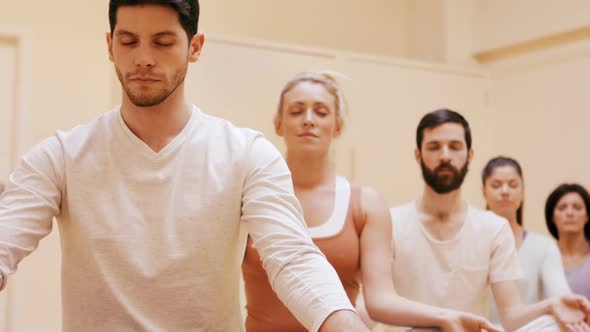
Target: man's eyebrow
<point>165,33</point>
<point>159,34</point>
<point>125,33</point>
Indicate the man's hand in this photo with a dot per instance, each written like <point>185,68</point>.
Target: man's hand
<point>466,322</point>
<point>572,312</point>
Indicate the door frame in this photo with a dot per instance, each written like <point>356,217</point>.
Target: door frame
<point>21,38</point>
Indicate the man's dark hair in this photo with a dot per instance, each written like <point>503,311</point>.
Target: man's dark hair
<point>188,12</point>
<point>439,117</point>
<point>499,162</point>
<point>553,199</point>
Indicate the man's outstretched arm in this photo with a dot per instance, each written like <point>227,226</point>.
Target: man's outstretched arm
<point>32,197</point>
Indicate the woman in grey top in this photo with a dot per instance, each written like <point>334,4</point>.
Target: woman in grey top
<point>503,189</point>
<point>566,213</point>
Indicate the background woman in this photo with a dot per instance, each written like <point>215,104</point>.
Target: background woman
<point>503,189</point>
<point>566,214</point>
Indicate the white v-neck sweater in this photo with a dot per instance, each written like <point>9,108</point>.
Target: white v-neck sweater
<point>154,241</point>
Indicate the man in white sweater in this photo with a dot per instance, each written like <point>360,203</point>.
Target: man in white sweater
<point>155,198</point>
<point>448,253</point>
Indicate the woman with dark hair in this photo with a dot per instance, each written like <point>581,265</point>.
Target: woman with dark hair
<point>566,214</point>
<point>503,189</point>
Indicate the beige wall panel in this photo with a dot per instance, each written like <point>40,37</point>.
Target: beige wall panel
<point>368,26</point>
<point>500,23</point>
<point>427,31</point>
<point>71,71</point>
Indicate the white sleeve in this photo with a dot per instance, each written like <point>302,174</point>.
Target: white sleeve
<point>552,272</point>
<point>504,263</point>
<point>297,270</point>
<point>31,199</point>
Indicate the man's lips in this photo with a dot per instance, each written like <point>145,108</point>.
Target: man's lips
<point>146,79</point>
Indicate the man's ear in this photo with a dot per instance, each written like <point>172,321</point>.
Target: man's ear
<point>417,155</point>
<point>195,47</point>
<point>110,46</point>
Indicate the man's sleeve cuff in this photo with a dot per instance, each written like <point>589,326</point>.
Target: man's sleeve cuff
<point>322,317</point>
